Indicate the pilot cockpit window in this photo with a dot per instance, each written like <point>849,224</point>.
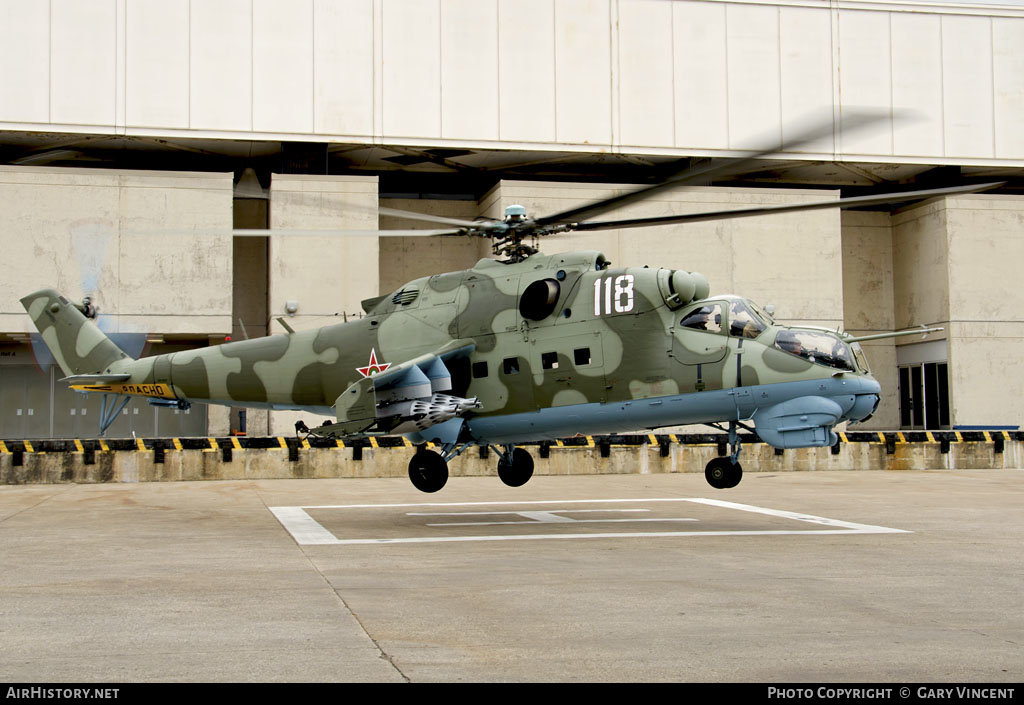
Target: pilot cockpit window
<point>743,322</point>
<point>707,318</point>
<point>820,348</point>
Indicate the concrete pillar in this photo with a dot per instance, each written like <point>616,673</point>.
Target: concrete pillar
<point>868,305</point>
<point>325,276</point>
<point>986,309</point>
<point>956,263</point>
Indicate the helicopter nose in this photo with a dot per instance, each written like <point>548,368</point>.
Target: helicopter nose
<point>863,407</point>
<point>866,402</point>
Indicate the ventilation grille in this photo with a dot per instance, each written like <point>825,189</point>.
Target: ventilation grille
<point>404,297</point>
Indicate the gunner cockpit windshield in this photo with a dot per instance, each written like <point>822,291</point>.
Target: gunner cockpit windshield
<point>820,348</point>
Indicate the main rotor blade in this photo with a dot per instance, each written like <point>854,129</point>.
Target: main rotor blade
<point>851,122</point>
<point>766,210</point>
<point>343,233</point>
<point>431,218</point>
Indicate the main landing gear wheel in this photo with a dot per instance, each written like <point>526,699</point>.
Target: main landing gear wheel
<point>722,473</point>
<point>519,471</point>
<point>428,471</point>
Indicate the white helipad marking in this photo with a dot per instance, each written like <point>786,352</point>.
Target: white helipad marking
<point>538,517</point>
<point>308,532</point>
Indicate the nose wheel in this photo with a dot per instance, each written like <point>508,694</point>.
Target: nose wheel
<point>722,473</point>
<point>428,470</point>
<point>725,472</point>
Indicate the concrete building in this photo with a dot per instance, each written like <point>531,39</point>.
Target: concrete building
<point>127,128</point>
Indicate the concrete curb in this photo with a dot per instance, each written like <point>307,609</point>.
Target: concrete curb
<point>164,460</point>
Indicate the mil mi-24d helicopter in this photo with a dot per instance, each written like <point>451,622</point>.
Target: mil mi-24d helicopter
<point>526,348</point>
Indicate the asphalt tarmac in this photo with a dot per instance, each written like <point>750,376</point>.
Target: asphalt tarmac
<point>791,577</point>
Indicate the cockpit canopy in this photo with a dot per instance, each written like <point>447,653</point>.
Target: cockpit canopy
<point>744,319</point>
<point>816,346</point>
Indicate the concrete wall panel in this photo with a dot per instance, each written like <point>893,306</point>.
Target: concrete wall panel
<point>917,83</point>
<point>412,68</point>
<point>527,85</point>
<point>986,373</point>
<point>167,273</point>
<point>83,62</point>
<point>752,38</point>
<point>64,227</point>
<point>689,77</point>
<point>583,66</point>
<point>967,86</point>
<point>646,99</point>
<point>701,75</point>
<point>805,67</point>
<point>469,65</point>
<point>25,62</point>
<point>282,66</point>
<point>220,97</point>
<point>343,46</point>
<point>920,254</point>
<point>867,272</point>
<point>865,80</point>
<point>1008,86</point>
<point>986,251</point>
<point>157,63</point>
<point>143,244</point>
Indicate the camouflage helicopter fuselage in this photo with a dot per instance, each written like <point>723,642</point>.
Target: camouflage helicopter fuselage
<point>506,353</point>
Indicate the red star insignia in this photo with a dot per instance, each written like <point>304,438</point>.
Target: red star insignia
<point>373,367</point>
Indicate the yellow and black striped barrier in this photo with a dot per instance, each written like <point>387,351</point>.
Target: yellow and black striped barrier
<point>227,446</point>
<point>83,460</point>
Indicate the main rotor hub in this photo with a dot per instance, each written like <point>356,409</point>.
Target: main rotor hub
<point>509,241</point>
<point>515,213</point>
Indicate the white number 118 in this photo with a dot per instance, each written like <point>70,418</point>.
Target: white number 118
<point>618,301</point>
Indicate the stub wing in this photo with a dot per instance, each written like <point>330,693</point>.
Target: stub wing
<point>407,398</point>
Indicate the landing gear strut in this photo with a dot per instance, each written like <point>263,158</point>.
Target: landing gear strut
<point>428,470</point>
<point>515,466</point>
<point>725,472</point>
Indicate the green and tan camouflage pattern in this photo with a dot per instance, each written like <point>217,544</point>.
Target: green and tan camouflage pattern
<point>78,346</point>
<point>632,344</point>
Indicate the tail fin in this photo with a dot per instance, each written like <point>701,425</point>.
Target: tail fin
<point>76,343</point>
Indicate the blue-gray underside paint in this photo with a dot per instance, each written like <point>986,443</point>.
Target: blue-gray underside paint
<point>674,410</point>
<point>552,423</point>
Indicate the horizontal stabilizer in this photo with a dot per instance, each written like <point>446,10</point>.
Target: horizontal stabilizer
<point>95,379</point>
